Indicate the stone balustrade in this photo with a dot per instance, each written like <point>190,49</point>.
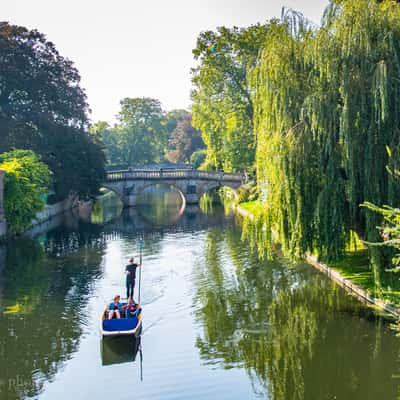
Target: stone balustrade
<point>116,176</point>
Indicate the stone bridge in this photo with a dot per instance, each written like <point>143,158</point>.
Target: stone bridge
<point>191,184</point>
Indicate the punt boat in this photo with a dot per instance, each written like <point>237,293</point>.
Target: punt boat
<point>122,326</point>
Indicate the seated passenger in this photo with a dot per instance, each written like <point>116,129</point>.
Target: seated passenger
<point>131,308</point>
<point>115,308</point>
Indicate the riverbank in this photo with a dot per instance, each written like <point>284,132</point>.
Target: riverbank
<point>51,211</point>
<point>46,216</point>
<point>352,272</point>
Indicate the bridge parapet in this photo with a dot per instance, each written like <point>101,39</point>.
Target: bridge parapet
<point>117,176</point>
<point>192,184</point>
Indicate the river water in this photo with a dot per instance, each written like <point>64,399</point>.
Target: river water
<point>218,322</point>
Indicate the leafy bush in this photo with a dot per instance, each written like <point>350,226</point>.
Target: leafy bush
<point>26,180</point>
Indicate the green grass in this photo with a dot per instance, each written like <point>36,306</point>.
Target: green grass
<point>355,267</point>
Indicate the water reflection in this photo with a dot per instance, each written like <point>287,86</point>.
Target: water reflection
<point>106,208</point>
<point>120,350</point>
<point>207,202</point>
<point>44,285</point>
<point>282,331</point>
<point>296,334</point>
<point>161,205</point>
<point>46,282</point>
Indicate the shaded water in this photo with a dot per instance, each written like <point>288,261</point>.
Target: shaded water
<point>218,323</point>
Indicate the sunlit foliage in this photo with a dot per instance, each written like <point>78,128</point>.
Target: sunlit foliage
<point>326,105</point>
<point>222,105</point>
<point>26,179</point>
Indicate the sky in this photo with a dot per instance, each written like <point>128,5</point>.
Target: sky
<point>132,48</point>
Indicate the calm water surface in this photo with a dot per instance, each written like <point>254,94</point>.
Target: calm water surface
<point>218,323</point>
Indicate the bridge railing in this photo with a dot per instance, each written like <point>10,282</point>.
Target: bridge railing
<point>116,176</point>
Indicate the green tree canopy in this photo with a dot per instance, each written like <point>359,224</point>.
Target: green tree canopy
<point>146,134</point>
<point>142,136</point>
<point>43,108</point>
<point>222,104</point>
<point>110,139</point>
<point>198,158</point>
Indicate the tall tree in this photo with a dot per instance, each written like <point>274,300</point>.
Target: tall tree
<point>326,106</point>
<point>172,118</point>
<point>142,135</point>
<point>43,107</point>
<point>222,104</point>
<point>184,141</point>
<point>110,139</point>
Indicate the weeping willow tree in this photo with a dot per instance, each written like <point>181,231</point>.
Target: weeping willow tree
<point>284,145</point>
<point>368,33</point>
<point>326,105</point>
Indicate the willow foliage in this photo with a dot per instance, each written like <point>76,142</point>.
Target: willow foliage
<point>326,105</point>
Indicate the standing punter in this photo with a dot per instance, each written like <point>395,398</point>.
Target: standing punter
<point>130,271</point>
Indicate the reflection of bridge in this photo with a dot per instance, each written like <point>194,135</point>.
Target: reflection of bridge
<point>131,223</point>
<point>191,184</point>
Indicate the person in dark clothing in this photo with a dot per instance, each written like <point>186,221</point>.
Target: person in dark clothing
<point>130,271</point>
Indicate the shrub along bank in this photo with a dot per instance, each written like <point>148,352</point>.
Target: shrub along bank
<point>26,180</point>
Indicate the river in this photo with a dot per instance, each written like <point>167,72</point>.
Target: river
<point>218,322</point>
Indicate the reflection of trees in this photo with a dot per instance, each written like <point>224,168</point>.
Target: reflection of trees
<point>106,208</point>
<point>43,295</point>
<point>44,284</point>
<point>62,242</point>
<point>287,326</point>
<point>289,341</point>
<point>249,320</point>
<point>257,232</point>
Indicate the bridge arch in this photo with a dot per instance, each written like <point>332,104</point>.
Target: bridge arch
<point>176,186</point>
<point>207,187</point>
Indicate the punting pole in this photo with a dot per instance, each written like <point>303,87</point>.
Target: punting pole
<point>141,360</point>
<point>140,265</point>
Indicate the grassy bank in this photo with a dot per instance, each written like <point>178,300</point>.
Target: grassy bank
<point>354,266</point>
